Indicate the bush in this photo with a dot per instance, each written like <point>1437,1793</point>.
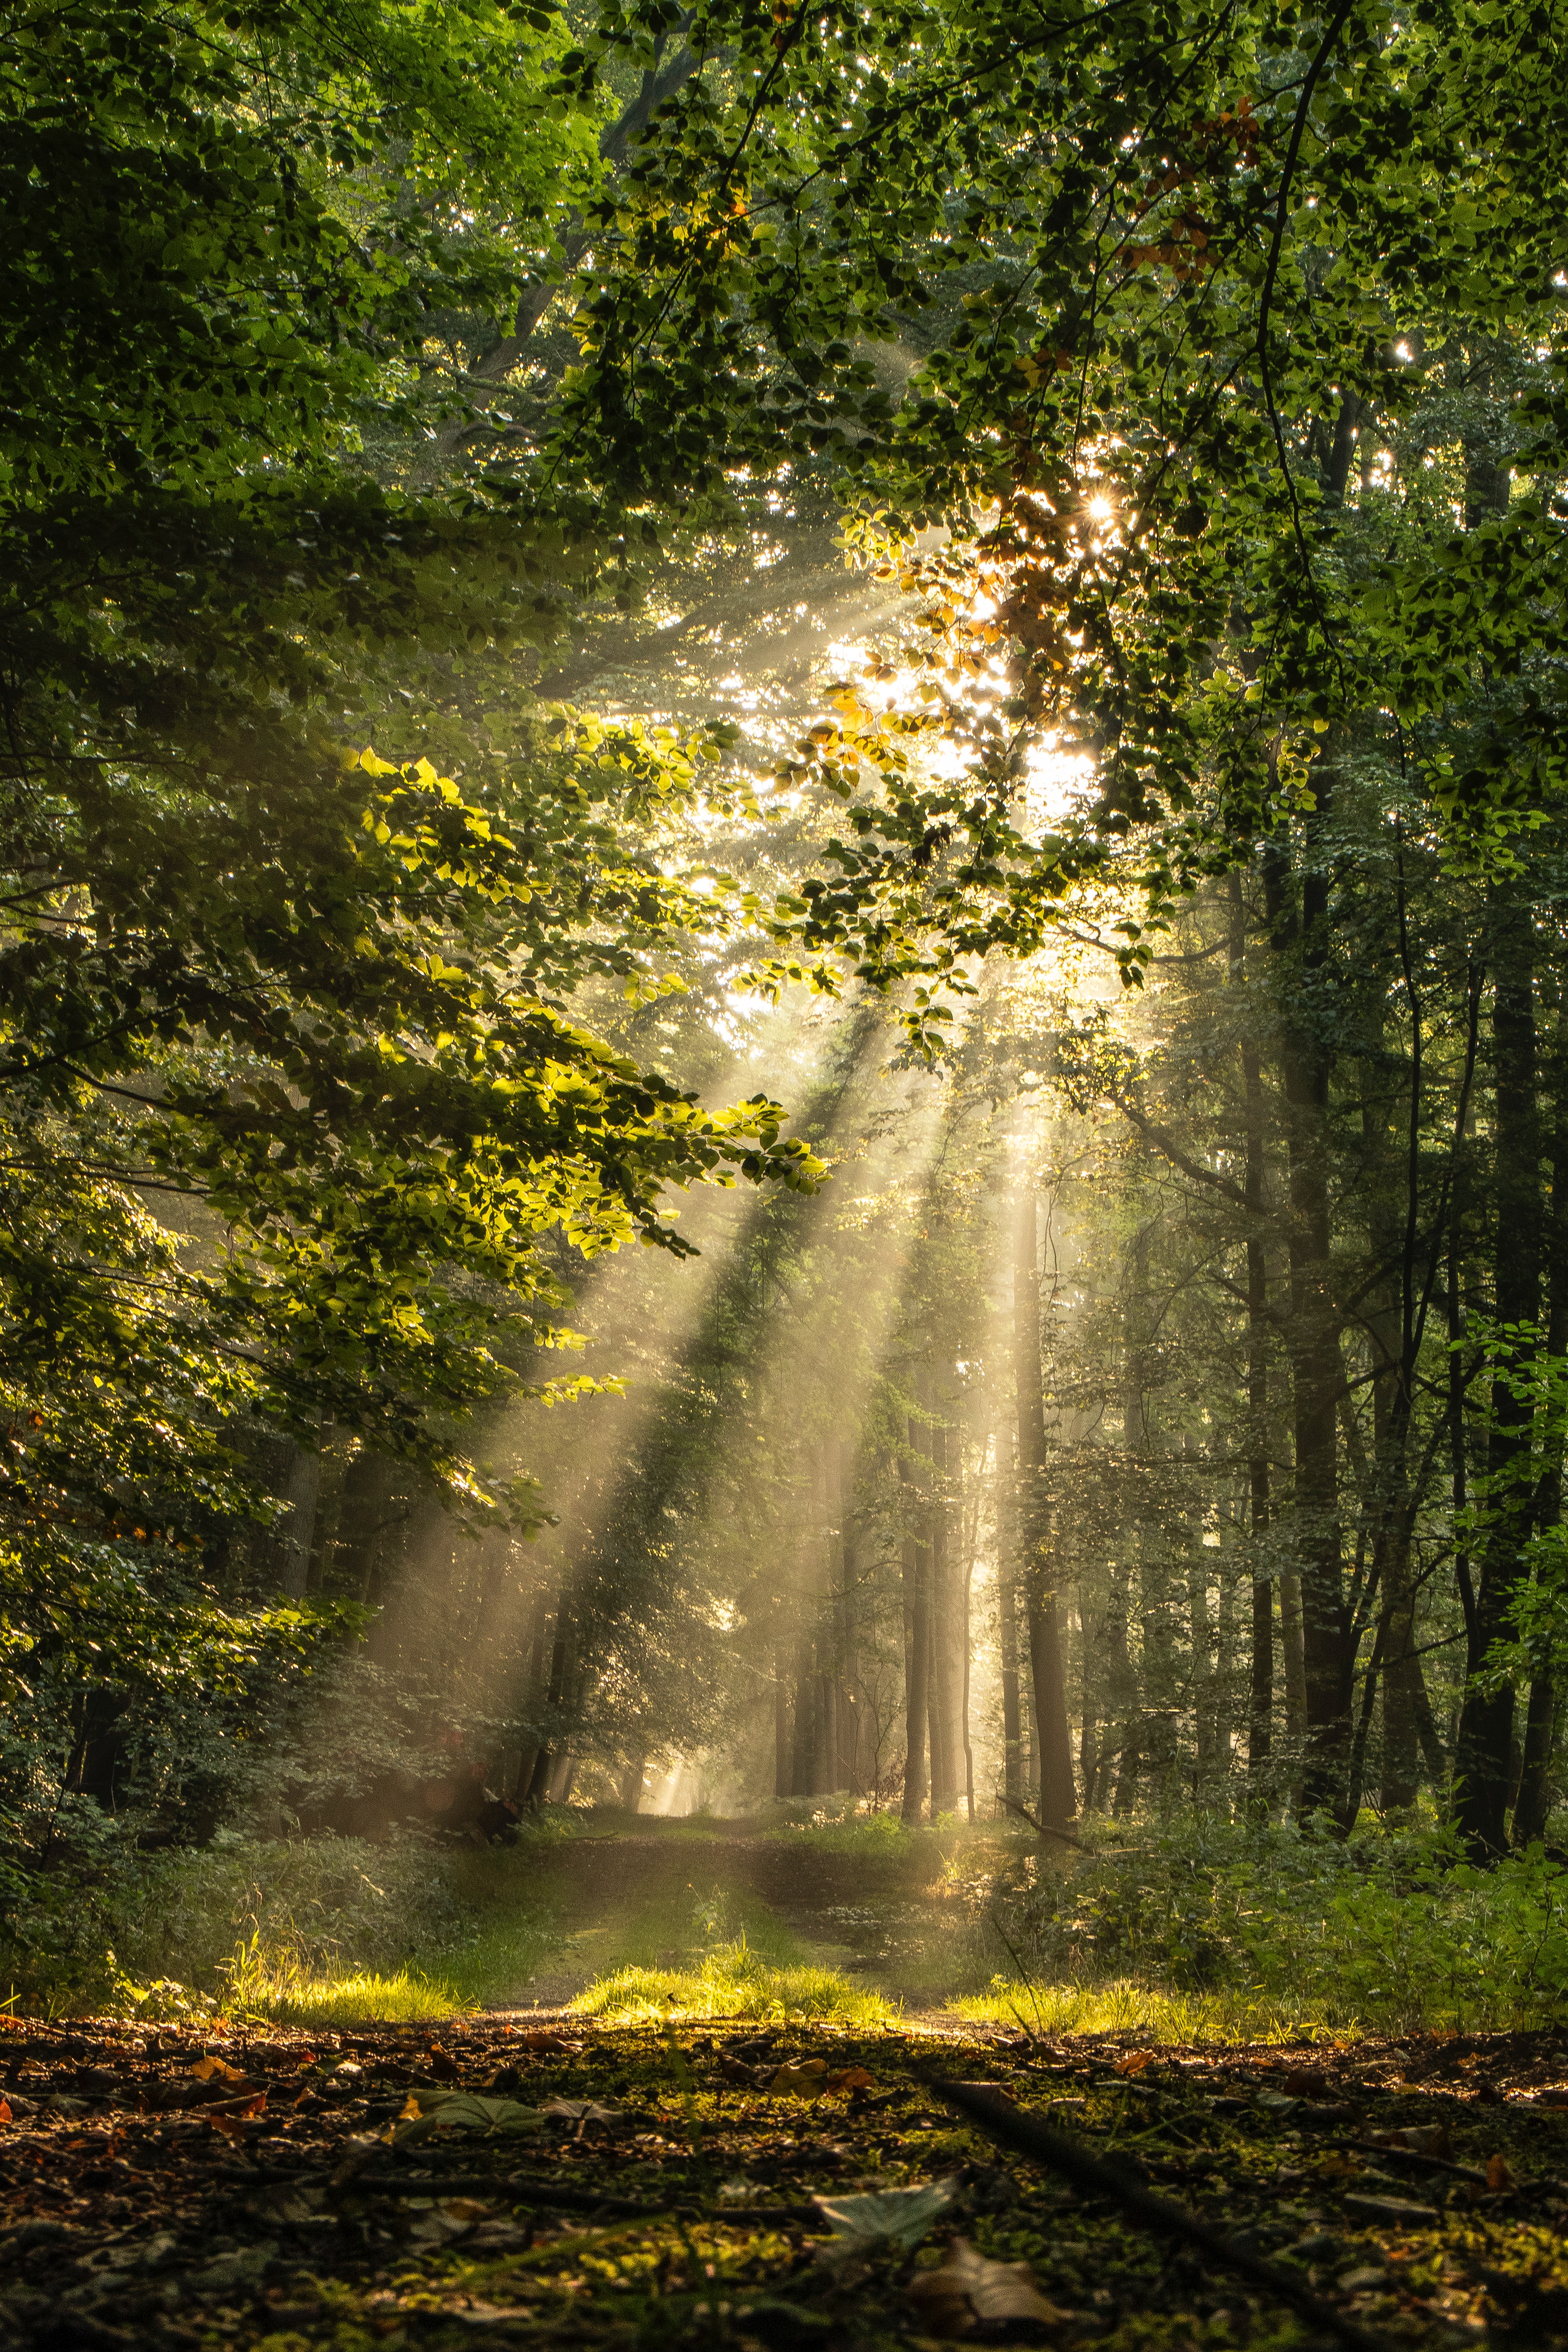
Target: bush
<point>1387,1928</point>
<point>173,1923</point>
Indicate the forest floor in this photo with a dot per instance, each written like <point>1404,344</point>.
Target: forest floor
<point>647,2170</point>
<point>799,2185</point>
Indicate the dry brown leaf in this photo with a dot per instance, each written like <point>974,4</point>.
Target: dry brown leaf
<point>1422,2139</point>
<point>230,2120</point>
<point>805,2078</point>
<point>1135,2062</point>
<point>850,2078</point>
<point>206,2069</point>
<point>1307,2082</point>
<point>1499,2173</point>
<point>970,2290</point>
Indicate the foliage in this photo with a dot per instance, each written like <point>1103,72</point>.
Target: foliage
<point>293,1091</point>
<point>1384,1931</point>
<point>1187,243</point>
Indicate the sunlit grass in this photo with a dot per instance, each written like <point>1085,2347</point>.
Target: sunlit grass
<point>281,1988</point>
<point>733,1980</point>
<point>1123,2007</point>
<point>362,1999</point>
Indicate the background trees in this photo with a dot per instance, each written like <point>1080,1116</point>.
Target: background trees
<point>437,708</point>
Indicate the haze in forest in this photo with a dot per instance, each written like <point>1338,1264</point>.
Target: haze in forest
<point>781,961</point>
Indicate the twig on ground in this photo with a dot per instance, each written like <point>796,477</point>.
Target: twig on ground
<point>1419,2158</point>
<point>587,2198</point>
<point>996,2114</point>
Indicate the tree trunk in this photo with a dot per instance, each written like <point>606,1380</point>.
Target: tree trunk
<point>1533,1803</point>
<point>944,1743</point>
<point>1007,1622</point>
<point>297,1532</point>
<point>1483,1763</point>
<point>1059,1800</point>
<point>1312,1328</point>
<point>782,1774</point>
<point>917,1648</point>
<point>851,1765</point>
<point>545,1766</point>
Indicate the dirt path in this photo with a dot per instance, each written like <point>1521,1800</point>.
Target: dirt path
<point>255,2190</point>
<point>656,1899</point>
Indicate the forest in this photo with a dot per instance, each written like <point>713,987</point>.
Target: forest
<point>783,1000</point>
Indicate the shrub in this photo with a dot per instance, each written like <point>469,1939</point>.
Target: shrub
<point>1387,1928</point>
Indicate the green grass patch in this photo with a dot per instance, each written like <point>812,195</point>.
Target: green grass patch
<point>732,1980</point>
<point>1122,2006</point>
<point>365,1998</point>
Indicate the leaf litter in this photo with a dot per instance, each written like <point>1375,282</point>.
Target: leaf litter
<point>267,2192</point>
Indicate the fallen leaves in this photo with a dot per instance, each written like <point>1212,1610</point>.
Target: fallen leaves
<point>232,2118</point>
<point>1421,2139</point>
<point>210,2069</point>
<point>800,2078</point>
<point>895,2217</point>
<point>810,2078</point>
<point>433,2110</point>
<point>582,2111</point>
<point>970,2290</point>
<point>1305,2081</point>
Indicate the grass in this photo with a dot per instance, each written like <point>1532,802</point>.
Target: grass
<point>733,1980</point>
<point>1122,2006</point>
<point>362,1999</point>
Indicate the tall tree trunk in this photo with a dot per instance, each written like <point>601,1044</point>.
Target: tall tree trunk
<point>1533,1802</point>
<point>1007,1618</point>
<point>917,1646</point>
<point>963,1693</point>
<point>1312,1327</point>
<point>1483,1764</point>
<point>1121,1689</point>
<point>544,1763</point>
<point>782,1746</point>
<point>297,1532</point>
<point>944,1625</point>
<point>1059,1800</point>
<point>802,1764</point>
<point>851,1766</point>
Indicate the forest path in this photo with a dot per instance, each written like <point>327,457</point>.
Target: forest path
<point>266,2190</point>
<point>664,1895</point>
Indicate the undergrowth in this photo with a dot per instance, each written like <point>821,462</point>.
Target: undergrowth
<point>1249,1930</point>
<point>732,1980</point>
<point>285,1927</point>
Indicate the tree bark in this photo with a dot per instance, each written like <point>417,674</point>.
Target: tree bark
<point>1261,1678</point>
<point>916,1649</point>
<point>1057,1799</point>
<point>1007,1621</point>
<point>1483,1762</point>
<point>1533,1803</point>
<point>944,1744</point>
<point>1299,926</point>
